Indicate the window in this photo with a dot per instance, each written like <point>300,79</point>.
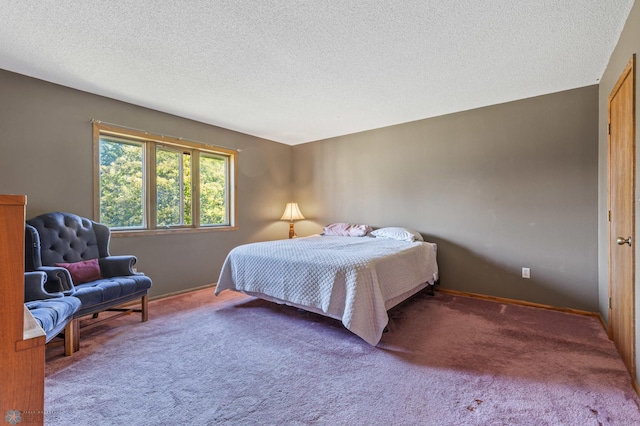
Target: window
<point>122,195</point>
<point>213,209</point>
<point>146,182</point>
<point>173,187</point>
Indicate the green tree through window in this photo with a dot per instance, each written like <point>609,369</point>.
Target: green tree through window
<point>213,194</point>
<point>173,187</point>
<point>121,184</point>
<point>125,173</point>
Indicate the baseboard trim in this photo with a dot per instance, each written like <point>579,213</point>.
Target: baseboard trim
<point>172,294</point>
<point>605,326</point>
<point>179,292</point>
<point>442,290</point>
<point>635,385</point>
<point>519,302</point>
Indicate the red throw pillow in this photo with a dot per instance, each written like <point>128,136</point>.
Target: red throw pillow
<point>83,272</point>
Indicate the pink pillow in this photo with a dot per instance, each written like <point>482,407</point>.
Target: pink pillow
<point>347,230</point>
<point>83,272</point>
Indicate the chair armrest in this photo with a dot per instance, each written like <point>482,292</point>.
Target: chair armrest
<point>59,279</point>
<point>117,266</point>
<point>31,248</point>
<point>34,287</point>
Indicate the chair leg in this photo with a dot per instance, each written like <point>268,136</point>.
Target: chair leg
<point>145,308</point>
<point>71,337</point>
<point>76,335</point>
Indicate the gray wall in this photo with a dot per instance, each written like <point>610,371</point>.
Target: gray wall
<point>628,44</point>
<point>498,188</point>
<point>46,153</point>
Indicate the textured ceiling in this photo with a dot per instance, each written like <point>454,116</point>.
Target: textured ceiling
<point>300,70</point>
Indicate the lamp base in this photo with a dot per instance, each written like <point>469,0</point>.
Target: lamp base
<point>291,232</point>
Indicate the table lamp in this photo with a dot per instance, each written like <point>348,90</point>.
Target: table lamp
<point>291,213</point>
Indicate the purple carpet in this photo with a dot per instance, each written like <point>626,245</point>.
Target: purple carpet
<point>446,360</point>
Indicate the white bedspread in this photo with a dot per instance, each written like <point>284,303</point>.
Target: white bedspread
<point>346,278</point>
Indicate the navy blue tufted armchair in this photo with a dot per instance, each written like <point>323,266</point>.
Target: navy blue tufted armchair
<point>65,246</point>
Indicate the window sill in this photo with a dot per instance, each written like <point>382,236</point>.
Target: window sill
<point>151,232</point>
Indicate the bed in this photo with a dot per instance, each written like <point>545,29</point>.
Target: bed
<point>355,280</point>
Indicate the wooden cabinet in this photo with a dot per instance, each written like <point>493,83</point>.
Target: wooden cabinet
<point>22,341</point>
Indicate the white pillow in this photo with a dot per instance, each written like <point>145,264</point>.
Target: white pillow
<point>397,233</point>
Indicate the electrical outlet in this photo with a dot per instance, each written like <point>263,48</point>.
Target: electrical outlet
<point>526,273</point>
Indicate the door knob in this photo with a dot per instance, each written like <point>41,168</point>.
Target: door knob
<point>622,241</point>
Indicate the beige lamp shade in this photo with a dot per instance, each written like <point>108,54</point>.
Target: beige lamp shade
<point>292,212</point>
